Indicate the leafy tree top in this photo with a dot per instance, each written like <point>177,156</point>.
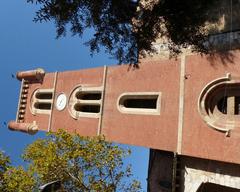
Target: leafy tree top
<point>126,28</point>
<point>81,164</point>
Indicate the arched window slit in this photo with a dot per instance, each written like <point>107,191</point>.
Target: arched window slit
<point>88,95</point>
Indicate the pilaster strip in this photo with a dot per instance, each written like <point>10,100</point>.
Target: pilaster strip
<point>181,104</point>
<point>53,99</point>
<point>99,131</point>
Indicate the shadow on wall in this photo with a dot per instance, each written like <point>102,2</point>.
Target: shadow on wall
<point>222,56</point>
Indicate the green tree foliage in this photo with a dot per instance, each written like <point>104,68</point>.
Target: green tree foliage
<point>17,179</point>
<point>4,165</point>
<point>127,27</point>
<point>14,179</point>
<point>81,164</point>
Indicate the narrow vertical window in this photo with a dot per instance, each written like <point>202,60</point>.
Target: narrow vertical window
<point>87,108</point>
<point>42,100</point>
<point>88,95</point>
<point>42,106</point>
<point>44,95</point>
<point>86,102</point>
<point>145,103</point>
<point>140,103</point>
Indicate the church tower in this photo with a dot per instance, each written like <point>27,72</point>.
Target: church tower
<point>165,104</point>
<point>186,110</point>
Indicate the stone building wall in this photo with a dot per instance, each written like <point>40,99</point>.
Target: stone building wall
<point>223,27</point>
<point>170,173</point>
<point>197,172</point>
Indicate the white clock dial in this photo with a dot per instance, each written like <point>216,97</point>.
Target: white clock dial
<point>61,101</point>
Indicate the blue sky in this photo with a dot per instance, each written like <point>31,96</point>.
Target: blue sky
<point>26,45</point>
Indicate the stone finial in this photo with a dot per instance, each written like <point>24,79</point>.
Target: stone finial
<point>37,74</point>
<point>30,128</point>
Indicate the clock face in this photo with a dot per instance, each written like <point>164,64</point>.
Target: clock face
<point>61,101</point>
